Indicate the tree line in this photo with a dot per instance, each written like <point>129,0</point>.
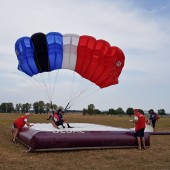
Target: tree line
<point>38,107</point>
<point>41,107</point>
<point>119,111</point>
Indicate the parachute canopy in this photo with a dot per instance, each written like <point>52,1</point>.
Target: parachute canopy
<point>95,60</point>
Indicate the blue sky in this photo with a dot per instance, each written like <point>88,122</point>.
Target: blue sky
<point>140,28</point>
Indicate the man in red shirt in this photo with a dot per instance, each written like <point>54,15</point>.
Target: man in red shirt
<point>18,124</point>
<point>140,121</point>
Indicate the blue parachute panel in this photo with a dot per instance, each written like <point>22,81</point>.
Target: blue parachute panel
<point>25,54</point>
<point>55,50</point>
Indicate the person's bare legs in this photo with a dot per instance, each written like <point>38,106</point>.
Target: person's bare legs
<point>139,142</point>
<point>143,142</point>
<point>49,116</point>
<point>65,120</point>
<point>55,125</point>
<point>15,132</point>
<point>12,130</point>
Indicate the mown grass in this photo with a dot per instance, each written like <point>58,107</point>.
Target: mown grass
<point>14,157</point>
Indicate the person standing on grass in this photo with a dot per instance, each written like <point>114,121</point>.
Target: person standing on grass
<point>153,118</point>
<point>140,124</point>
<point>18,124</point>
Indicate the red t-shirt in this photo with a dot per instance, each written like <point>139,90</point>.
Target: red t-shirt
<point>20,122</point>
<point>141,121</point>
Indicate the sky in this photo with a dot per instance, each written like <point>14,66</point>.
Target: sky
<point>140,28</point>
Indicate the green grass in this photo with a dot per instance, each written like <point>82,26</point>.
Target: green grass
<point>14,157</point>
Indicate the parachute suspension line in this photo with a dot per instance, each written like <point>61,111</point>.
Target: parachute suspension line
<point>81,91</point>
<point>72,87</point>
<point>85,91</point>
<point>49,80</point>
<point>96,90</point>
<point>38,85</point>
<point>75,90</point>
<point>51,103</point>
<point>71,93</point>
<point>45,85</point>
<point>79,87</point>
<point>53,89</point>
<point>67,107</point>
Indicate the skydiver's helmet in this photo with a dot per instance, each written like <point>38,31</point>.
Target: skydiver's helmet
<point>60,110</point>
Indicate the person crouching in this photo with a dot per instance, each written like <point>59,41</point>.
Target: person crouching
<point>19,124</point>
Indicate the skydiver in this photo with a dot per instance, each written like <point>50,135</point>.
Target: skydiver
<point>58,119</point>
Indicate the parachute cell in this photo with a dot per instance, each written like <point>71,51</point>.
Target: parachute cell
<point>55,50</point>
<point>93,59</point>
<point>25,53</point>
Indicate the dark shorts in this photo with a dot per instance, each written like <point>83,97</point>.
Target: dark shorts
<point>14,125</point>
<point>59,122</point>
<point>140,133</point>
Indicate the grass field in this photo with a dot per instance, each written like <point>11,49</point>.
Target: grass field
<point>14,157</point>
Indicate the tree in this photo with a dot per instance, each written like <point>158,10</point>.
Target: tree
<point>47,107</point>
<point>130,111</point>
<point>41,106</point>
<point>97,111</point>
<point>120,111</point>
<point>57,107</point>
<point>23,108</point>
<point>91,108</point>
<point>27,107</point>
<point>161,112</point>
<point>6,107</point>
<point>9,107</point>
<point>18,107</point>
<point>3,107</point>
<point>36,107</point>
<point>112,112</point>
<point>85,111</point>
